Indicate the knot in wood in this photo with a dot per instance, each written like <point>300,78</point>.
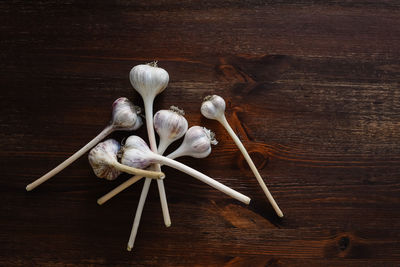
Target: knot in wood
<point>344,243</point>
<point>258,155</point>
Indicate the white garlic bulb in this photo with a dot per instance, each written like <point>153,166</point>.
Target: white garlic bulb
<point>135,142</point>
<point>125,115</point>
<point>170,126</point>
<point>148,79</point>
<point>196,143</point>
<point>101,158</point>
<point>213,107</point>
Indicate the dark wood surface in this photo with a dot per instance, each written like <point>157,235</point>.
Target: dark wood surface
<point>312,88</point>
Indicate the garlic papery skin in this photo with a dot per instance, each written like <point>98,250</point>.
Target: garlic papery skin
<point>196,143</point>
<point>103,159</point>
<point>213,107</point>
<point>136,158</point>
<point>170,126</point>
<point>148,79</point>
<point>145,156</point>
<point>136,142</point>
<point>124,117</point>
<point>136,153</point>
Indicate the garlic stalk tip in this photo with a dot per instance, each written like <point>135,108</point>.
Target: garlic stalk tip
<point>177,110</point>
<point>153,63</point>
<point>211,136</point>
<point>206,98</point>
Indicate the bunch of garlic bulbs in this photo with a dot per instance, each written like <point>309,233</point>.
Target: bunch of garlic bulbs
<point>109,158</point>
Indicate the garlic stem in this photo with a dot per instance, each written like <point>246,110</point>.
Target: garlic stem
<point>176,154</point>
<point>109,129</point>
<point>118,189</point>
<point>163,145</point>
<point>161,192</point>
<point>138,214</point>
<point>136,171</point>
<point>202,177</point>
<point>236,139</point>
<point>148,105</point>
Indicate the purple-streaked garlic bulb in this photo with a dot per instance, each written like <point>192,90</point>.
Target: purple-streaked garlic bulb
<point>136,153</point>
<point>125,115</point>
<point>170,125</point>
<point>196,143</point>
<point>102,157</point>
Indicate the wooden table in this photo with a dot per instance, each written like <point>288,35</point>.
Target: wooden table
<point>312,88</point>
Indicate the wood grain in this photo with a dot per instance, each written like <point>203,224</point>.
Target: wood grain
<point>312,89</point>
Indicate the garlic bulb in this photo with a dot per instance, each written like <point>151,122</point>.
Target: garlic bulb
<point>148,79</point>
<point>101,159</point>
<point>138,152</point>
<point>124,117</point>
<point>213,107</point>
<point>134,142</point>
<point>136,158</point>
<point>197,143</point>
<point>170,125</point>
